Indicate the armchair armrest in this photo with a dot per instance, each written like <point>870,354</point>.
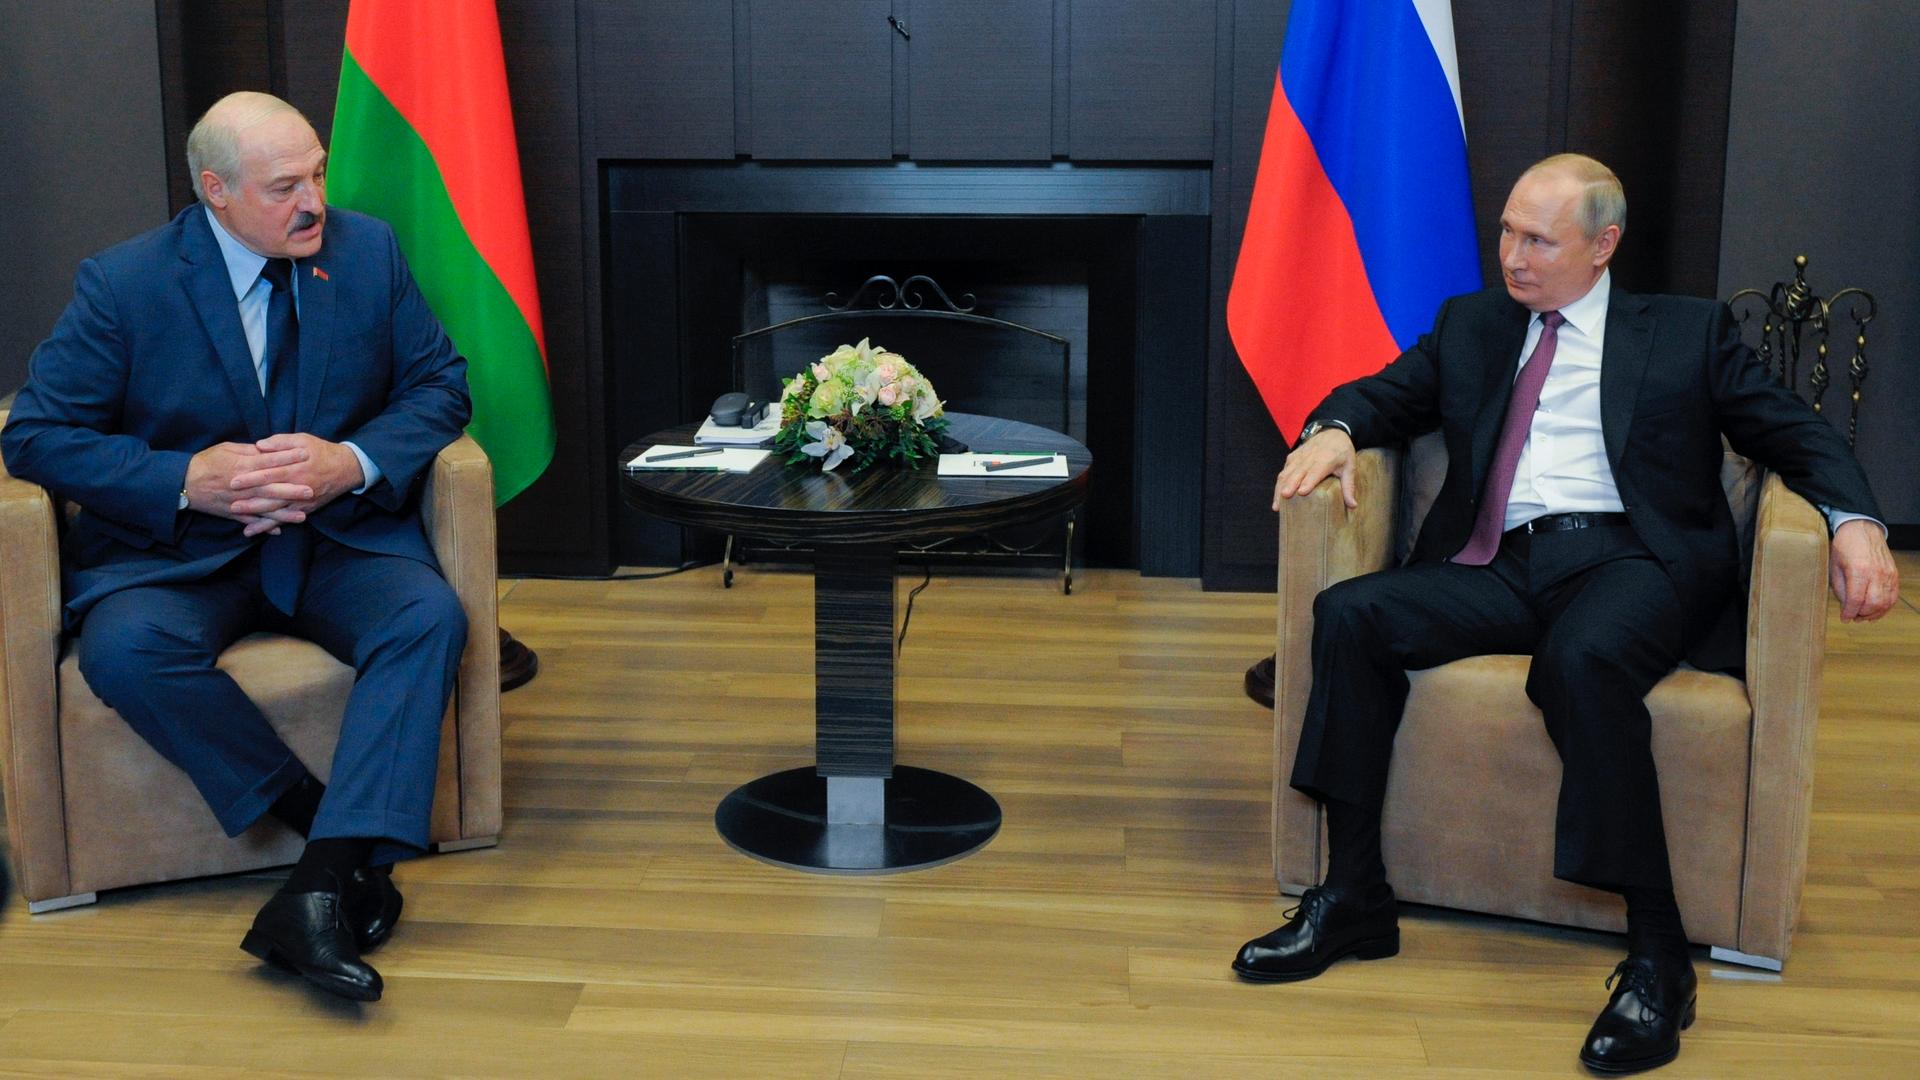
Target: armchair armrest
<point>29,702</point>
<point>1321,543</point>
<point>1786,633</point>
<point>457,510</point>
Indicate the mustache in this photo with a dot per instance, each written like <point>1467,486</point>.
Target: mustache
<point>303,220</point>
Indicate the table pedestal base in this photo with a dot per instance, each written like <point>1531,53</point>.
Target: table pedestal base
<point>930,818</point>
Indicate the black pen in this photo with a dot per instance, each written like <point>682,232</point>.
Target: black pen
<point>996,466</point>
<point>684,454</point>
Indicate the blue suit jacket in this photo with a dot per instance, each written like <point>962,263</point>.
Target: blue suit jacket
<point>149,365</point>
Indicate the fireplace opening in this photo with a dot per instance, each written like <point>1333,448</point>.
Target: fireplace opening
<point>1126,292</point>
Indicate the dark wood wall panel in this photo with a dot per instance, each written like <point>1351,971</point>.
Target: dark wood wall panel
<point>660,76</point>
<point>1822,162</point>
<point>1170,357</point>
<point>1141,80</point>
<point>822,74</point>
<point>82,164</point>
<point>1509,84</point>
<point>1660,123</point>
<point>977,71</point>
<point>208,51</point>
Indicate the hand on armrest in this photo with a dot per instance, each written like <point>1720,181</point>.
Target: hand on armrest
<point>1325,538</point>
<point>1328,453</point>
<point>1863,573</point>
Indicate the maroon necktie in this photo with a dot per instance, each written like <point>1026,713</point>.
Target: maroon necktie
<point>1492,521</point>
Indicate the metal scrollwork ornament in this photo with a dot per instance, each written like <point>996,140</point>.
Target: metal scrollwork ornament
<point>1792,316</point>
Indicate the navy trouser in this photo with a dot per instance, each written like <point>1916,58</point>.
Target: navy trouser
<point>149,652</point>
<point>1603,623</point>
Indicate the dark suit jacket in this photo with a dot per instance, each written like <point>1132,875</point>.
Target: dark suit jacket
<point>1674,377</point>
<point>149,365</point>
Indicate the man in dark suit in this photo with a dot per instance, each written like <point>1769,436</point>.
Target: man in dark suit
<point>242,402</point>
<point>1581,521</point>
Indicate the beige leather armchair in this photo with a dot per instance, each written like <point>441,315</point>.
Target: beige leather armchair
<point>1470,799</point>
<point>91,806</point>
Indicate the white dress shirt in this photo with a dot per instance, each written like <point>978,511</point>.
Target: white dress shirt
<point>252,292</point>
<point>1563,464</point>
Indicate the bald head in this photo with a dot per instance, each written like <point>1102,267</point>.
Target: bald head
<point>1603,201</point>
<point>1559,230</point>
<point>214,144</point>
<point>260,169</point>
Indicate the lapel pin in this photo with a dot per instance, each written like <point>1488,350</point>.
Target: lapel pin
<point>321,274</point>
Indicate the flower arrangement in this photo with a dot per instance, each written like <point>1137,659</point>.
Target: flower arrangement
<point>862,403</point>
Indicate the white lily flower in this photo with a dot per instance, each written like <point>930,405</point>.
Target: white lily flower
<point>829,445</point>
<point>925,405</point>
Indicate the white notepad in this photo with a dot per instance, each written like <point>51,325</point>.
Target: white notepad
<point>1043,466</point>
<point>712,434</point>
<point>733,459</point>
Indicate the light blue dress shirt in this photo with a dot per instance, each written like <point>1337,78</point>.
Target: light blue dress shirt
<point>252,292</point>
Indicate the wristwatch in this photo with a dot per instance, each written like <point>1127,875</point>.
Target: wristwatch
<point>1319,426</point>
<point>183,498</point>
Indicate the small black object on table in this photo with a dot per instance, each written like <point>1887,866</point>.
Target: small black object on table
<point>854,811</point>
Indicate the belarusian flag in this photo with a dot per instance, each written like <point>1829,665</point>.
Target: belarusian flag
<point>423,139</point>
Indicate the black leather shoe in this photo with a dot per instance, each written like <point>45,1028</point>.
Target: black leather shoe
<point>306,933</point>
<point>1325,926</point>
<point>1259,682</point>
<point>1641,1025</point>
<point>372,905</point>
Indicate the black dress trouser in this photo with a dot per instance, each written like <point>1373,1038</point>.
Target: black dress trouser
<point>1602,621</point>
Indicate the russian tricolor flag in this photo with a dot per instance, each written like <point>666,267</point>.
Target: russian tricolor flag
<point>1362,219</point>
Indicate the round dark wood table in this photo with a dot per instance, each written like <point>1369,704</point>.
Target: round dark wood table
<point>854,810</point>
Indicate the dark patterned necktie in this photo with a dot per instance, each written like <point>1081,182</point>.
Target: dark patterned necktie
<point>283,346</point>
<point>283,558</point>
<point>1525,398</point>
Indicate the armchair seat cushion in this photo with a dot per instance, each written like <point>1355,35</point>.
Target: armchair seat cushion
<point>1473,750</point>
<point>124,799</point>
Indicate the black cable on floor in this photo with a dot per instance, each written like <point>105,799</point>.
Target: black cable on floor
<point>908,619</point>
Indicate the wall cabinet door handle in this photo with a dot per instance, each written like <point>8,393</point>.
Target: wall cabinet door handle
<point>900,26</point>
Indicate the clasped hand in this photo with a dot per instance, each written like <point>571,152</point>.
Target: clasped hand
<point>276,481</point>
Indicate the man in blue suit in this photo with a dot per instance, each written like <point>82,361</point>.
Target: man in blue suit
<point>242,402</point>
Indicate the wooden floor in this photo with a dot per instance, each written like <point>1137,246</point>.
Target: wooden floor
<point>612,933</point>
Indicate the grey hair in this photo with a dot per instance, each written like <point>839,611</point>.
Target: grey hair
<point>214,143</point>
<point>1603,203</point>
